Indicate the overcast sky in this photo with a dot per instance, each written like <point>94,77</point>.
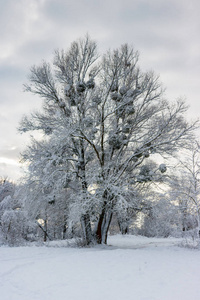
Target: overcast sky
<point>166,33</point>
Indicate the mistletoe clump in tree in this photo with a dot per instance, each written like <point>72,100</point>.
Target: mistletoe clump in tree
<point>108,117</point>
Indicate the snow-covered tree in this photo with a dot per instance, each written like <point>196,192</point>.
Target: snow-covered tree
<point>161,219</point>
<point>15,226</point>
<point>106,117</point>
<point>45,184</point>
<point>146,185</point>
<point>7,188</point>
<point>185,188</point>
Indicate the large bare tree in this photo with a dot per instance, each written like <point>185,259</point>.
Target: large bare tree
<point>105,118</point>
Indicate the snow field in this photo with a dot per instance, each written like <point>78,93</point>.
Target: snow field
<point>157,270</point>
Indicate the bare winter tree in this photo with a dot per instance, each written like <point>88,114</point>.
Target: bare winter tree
<point>15,228</point>
<point>7,188</point>
<point>185,187</point>
<point>46,184</point>
<point>106,118</point>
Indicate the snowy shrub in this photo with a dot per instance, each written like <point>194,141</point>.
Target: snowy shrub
<point>162,220</point>
<point>13,227</point>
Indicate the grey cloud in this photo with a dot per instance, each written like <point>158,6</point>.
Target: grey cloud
<point>37,50</point>
<point>9,72</point>
<point>145,11</point>
<point>65,11</point>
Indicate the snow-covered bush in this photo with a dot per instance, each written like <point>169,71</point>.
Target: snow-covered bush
<point>161,220</point>
<point>13,224</point>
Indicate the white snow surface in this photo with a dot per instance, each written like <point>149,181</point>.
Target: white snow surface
<point>130,267</point>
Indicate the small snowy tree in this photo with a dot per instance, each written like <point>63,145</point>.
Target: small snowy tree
<point>108,117</point>
<point>45,184</point>
<point>13,224</point>
<point>7,188</point>
<point>146,182</point>
<point>15,227</point>
<point>161,219</point>
<point>185,188</point>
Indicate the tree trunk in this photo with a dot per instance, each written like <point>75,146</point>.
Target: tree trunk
<point>64,231</point>
<point>44,229</point>
<point>123,226</point>
<point>98,233</point>
<point>85,218</point>
<point>198,223</point>
<point>104,219</point>
<point>107,221</point>
<point>86,228</point>
<point>103,225</point>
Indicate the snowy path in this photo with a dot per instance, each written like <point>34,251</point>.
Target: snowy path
<point>150,269</point>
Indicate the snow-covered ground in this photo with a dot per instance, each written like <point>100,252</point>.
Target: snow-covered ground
<point>129,267</point>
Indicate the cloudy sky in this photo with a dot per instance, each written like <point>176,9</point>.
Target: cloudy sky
<point>166,33</point>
